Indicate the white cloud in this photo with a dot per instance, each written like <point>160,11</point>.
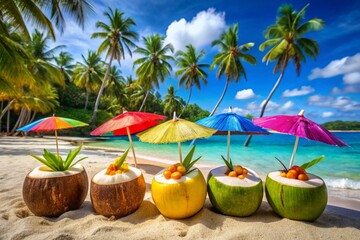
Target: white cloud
<point>205,27</point>
<point>271,106</point>
<point>237,110</point>
<point>343,104</point>
<point>287,106</point>
<point>342,66</point>
<point>245,94</point>
<point>327,114</point>
<point>352,78</point>
<point>304,90</point>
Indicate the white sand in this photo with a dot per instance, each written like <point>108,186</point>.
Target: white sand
<point>341,219</point>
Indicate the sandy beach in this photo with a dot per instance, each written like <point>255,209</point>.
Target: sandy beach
<point>341,219</point>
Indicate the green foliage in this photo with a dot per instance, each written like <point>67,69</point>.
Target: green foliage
<point>56,163</point>
<point>312,163</point>
<point>120,160</point>
<point>229,164</point>
<point>342,125</point>
<point>188,163</point>
<point>193,113</point>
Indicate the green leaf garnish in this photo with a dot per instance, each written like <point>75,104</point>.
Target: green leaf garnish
<point>188,163</point>
<point>120,160</point>
<point>56,163</point>
<point>229,164</point>
<point>313,162</point>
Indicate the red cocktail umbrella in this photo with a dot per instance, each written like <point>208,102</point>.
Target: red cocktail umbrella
<point>50,124</point>
<point>128,123</point>
<point>299,126</point>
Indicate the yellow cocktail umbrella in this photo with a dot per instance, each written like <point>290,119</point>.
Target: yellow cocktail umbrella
<point>175,130</point>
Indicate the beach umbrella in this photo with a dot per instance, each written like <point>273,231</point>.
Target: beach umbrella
<point>175,130</point>
<point>231,122</point>
<point>128,123</point>
<point>299,126</point>
<point>52,124</point>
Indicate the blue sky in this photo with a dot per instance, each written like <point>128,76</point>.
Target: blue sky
<point>327,88</point>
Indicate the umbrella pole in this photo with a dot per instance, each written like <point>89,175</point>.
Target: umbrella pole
<point>57,145</point>
<point>131,145</point>
<point>228,147</point>
<point>294,152</point>
<point>180,154</point>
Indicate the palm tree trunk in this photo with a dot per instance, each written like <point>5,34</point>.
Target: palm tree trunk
<point>247,142</point>
<point>143,103</point>
<point>221,98</point>
<point>8,123</point>
<point>6,108</point>
<point>187,102</point>
<point>86,98</point>
<point>93,119</point>
<point>20,118</point>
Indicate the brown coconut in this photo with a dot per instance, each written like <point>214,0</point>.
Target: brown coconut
<point>118,195</point>
<point>50,194</point>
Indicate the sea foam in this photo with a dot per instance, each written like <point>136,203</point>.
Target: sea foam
<point>344,183</point>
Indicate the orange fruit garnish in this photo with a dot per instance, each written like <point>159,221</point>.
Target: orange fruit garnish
<point>232,174</point>
<point>176,175</point>
<point>172,168</point>
<point>238,169</point>
<point>241,176</point>
<point>283,174</point>
<point>292,174</point>
<point>245,171</point>
<point>181,169</point>
<point>167,174</point>
<point>303,177</point>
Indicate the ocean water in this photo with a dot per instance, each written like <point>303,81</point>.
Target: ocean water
<point>340,168</point>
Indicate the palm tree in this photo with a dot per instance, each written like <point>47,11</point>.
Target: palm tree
<point>190,70</point>
<point>116,86</point>
<point>22,14</point>
<point>172,102</point>
<point>35,12</point>
<point>88,75</point>
<point>154,65</point>
<point>228,60</point>
<point>287,43</point>
<point>64,62</point>
<point>117,37</point>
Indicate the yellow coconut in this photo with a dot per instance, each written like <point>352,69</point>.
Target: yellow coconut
<point>117,195</point>
<point>179,198</point>
<point>50,193</point>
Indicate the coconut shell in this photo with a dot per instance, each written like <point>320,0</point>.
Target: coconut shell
<point>51,197</point>
<point>119,199</point>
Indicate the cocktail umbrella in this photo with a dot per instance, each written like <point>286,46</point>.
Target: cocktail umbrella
<point>52,124</point>
<point>299,126</point>
<point>231,122</point>
<point>128,123</point>
<point>175,130</point>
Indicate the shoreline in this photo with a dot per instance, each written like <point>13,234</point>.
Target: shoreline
<point>340,218</point>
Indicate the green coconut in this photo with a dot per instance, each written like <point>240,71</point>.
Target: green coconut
<point>296,199</point>
<point>233,196</point>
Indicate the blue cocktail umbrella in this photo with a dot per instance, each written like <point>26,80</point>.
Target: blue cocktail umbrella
<point>231,122</point>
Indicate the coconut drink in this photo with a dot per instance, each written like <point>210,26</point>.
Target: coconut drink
<point>117,190</point>
<point>179,191</point>
<point>296,194</point>
<point>234,190</point>
<point>57,187</point>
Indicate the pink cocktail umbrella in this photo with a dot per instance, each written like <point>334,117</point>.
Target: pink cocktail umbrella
<point>128,123</point>
<point>299,126</point>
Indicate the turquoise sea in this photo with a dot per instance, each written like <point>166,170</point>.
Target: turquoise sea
<point>340,168</point>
